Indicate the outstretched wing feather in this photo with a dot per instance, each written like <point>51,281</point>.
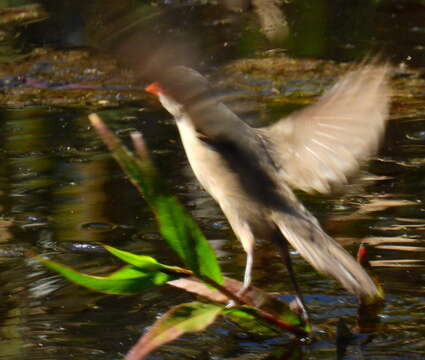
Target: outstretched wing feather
<point>323,144</point>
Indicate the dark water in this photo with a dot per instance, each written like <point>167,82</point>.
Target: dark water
<point>60,190</point>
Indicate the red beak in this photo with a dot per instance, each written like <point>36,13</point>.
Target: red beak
<point>154,89</point>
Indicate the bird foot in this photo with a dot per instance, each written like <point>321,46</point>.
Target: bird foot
<point>299,308</point>
<point>242,291</point>
<point>230,304</point>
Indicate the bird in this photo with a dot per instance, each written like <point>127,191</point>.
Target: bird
<point>251,172</point>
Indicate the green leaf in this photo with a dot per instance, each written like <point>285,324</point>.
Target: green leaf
<point>144,262</point>
<point>176,225</point>
<point>127,280</point>
<point>248,319</point>
<point>140,261</point>
<point>181,319</point>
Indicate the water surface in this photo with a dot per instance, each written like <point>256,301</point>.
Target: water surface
<point>60,191</point>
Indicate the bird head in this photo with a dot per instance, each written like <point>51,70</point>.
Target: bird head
<point>179,88</point>
<point>167,100</point>
<point>154,88</point>
<point>186,95</point>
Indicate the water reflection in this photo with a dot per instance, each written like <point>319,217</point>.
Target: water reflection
<point>60,192</point>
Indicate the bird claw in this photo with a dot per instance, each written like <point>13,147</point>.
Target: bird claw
<point>230,304</point>
<point>242,291</point>
<point>299,308</point>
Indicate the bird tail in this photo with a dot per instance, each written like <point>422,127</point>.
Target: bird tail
<point>304,233</point>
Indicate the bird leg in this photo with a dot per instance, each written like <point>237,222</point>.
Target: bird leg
<point>248,271</point>
<point>284,252</point>
<point>246,279</point>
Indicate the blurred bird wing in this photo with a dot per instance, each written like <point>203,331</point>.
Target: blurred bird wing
<point>322,144</point>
